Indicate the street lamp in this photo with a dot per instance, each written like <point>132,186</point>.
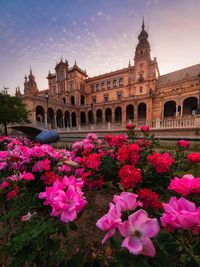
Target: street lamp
<point>47,102</point>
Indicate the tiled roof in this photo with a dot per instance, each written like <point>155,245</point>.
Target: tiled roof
<point>179,75</point>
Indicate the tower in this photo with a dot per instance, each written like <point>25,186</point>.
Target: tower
<point>145,69</point>
<point>30,86</point>
<point>61,76</point>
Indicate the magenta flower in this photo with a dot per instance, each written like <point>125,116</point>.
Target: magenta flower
<point>144,128</point>
<point>27,176</point>
<point>183,144</point>
<point>137,232</point>
<point>110,221</point>
<point>180,214</point>
<point>186,185</point>
<point>127,201</point>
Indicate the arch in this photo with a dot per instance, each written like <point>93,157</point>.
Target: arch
<point>82,100</point>
<point>170,109</point>
<point>40,114</point>
<point>50,117</point>
<point>99,116</point>
<point>142,111</point>
<point>83,118</point>
<point>130,113</point>
<point>67,119</point>
<point>72,100</point>
<point>190,104</point>
<point>108,115</point>
<point>118,115</point>
<point>73,119</point>
<point>90,117</point>
<point>59,118</point>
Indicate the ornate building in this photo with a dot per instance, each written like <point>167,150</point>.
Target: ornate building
<point>137,93</point>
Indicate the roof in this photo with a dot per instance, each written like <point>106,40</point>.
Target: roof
<point>109,74</point>
<point>179,75</point>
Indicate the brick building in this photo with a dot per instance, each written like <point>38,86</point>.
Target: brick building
<point>137,93</point>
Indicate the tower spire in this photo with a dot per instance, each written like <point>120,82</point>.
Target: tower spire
<point>143,23</point>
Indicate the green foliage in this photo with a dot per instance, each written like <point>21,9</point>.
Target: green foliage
<point>12,110</point>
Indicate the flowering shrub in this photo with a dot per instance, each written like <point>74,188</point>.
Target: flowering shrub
<point>48,197</point>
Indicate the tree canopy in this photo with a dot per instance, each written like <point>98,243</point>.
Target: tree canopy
<point>12,110</point>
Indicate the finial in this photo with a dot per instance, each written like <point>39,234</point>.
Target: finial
<point>75,63</point>
<point>143,23</point>
<point>30,70</point>
<point>129,63</point>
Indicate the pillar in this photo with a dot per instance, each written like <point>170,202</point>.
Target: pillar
<point>63,121</point>
<point>113,116</point>
<point>177,110</point>
<point>55,121</point>
<point>181,110</point>
<point>136,113</point>
<point>103,117</point>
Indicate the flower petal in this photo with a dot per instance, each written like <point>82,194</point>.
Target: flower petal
<point>148,247</point>
<point>133,245</point>
<point>108,235</point>
<point>150,228</point>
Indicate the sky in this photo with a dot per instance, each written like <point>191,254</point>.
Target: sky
<point>101,35</point>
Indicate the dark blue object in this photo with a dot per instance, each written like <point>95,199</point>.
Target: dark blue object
<point>47,137</point>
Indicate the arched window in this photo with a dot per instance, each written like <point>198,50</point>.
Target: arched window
<point>83,119</point>
<point>103,86</point>
<point>190,105</point>
<point>67,119</point>
<point>72,100</point>
<point>114,83</point>
<point>73,119</point>
<point>99,116</point>
<point>40,117</point>
<point>108,84</point>
<point>120,82</point>
<point>142,111</point>
<point>129,113</point>
<point>170,109</point>
<point>59,120</point>
<point>108,115</point>
<point>97,87</point>
<point>82,100</point>
<point>118,115</point>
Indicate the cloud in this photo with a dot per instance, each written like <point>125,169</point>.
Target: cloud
<point>99,13</point>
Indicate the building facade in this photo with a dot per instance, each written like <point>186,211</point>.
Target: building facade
<point>137,93</point>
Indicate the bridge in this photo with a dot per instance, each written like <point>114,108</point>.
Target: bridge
<point>187,127</point>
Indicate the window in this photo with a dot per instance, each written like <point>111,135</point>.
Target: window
<point>97,87</point>
<point>120,82</point>
<point>103,86</point>
<point>141,89</point>
<point>92,88</point>
<point>114,83</point>
<point>108,84</point>
<point>141,78</point>
<point>64,100</point>
<point>71,86</point>
<point>94,99</point>
<point>119,95</point>
<point>106,98</point>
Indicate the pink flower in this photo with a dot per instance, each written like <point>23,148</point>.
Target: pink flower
<point>41,165</point>
<point>137,232</point>
<point>64,168</point>
<point>110,221</point>
<point>180,214</point>
<point>92,136</point>
<point>186,185</point>
<point>127,201</point>
<point>144,128</point>
<point>183,144</point>
<point>27,176</point>
<point>66,198</point>
<point>4,184</point>
<point>2,165</point>
<point>27,217</point>
<point>194,157</point>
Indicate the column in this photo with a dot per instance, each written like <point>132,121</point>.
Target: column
<point>70,121</point>
<point>63,121</point>
<point>103,117</point>
<point>136,114</point>
<point>55,121</point>
<point>177,111</point>
<point>113,116</point>
<point>181,110</point>
<point>46,123</point>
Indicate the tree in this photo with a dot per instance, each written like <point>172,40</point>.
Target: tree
<point>12,110</point>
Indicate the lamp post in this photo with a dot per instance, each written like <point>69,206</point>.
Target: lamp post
<point>47,102</point>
